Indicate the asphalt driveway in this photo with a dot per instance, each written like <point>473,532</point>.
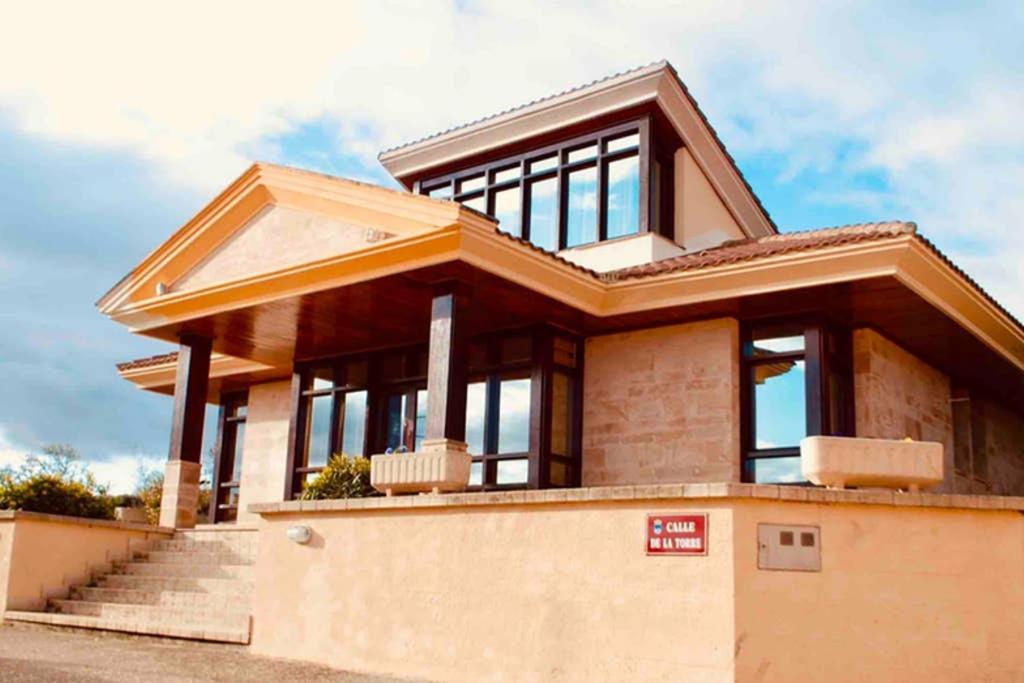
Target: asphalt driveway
<point>32,653</point>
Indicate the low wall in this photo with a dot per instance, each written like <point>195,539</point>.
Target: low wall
<point>42,556</point>
<point>557,586</point>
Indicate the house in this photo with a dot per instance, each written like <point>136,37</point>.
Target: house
<point>586,296</point>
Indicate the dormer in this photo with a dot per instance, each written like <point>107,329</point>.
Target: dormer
<point>620,172</point>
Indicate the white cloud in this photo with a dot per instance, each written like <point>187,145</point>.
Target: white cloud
<point>200,87</point>
<point>120,472</point>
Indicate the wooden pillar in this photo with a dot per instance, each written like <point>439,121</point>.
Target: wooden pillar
<point>190,385</point>
<point>447,366</point>
<point>181,477</point>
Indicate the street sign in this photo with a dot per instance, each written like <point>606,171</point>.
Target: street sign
<point>677,534</point>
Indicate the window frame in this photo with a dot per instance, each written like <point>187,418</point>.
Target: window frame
<point>227,450</point>
<point>411,378</point>
<point>341,386</point>
<point>827,352</point>
<point>644,151</point>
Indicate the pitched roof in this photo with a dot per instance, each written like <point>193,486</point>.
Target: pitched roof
<point>653,67</point>
<point>736,251</point>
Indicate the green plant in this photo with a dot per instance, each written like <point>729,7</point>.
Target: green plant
<point>149,489</point>
<point>55,482</point>
<point>343,477</point>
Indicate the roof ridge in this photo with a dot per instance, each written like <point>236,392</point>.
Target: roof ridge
<point>519,107</point>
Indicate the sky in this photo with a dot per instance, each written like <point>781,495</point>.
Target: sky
<point>118,121</point>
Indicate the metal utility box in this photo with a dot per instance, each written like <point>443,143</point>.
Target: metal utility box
<point>789,547</point>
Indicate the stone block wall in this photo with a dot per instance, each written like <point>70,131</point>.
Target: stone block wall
<point>661,405</point>
<point>265,450</point>
<point>897,395</point>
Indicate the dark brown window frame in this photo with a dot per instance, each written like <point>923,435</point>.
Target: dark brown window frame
<point>226,451</point>
<point>339,369</point>
<point>540,368</point>
<point>827,351</point>
<point>655,166</point>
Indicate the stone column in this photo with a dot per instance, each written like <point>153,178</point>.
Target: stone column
<point>181,476</point>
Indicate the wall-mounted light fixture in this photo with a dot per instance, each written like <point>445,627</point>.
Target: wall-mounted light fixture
<point>300,534</point>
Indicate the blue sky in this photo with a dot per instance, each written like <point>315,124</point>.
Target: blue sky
<point>118,122</point>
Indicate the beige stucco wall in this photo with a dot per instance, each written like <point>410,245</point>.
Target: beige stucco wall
<point>897,395</point>
<point>904,594</point>
<point>275,238</point>
<point>661,405</point>
<point>525,587</point>
<point>622,252</point>
<point>701,219</point>
<point>43,556</point>
<point>265,451</point>
<point>548,593</point>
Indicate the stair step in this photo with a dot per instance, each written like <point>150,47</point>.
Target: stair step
<point>171,616</point>
<point>191,599</point>
<point>175,583</point>
<point>192,557</point>
<point>191,632</point>
<point>209,571</point>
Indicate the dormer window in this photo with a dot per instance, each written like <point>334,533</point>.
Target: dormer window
<point>586,189</point>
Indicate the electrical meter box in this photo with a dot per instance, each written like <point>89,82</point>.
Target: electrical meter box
<point>789,547</point>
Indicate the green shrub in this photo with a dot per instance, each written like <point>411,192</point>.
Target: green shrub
<point>56,496</point>
<point>343,477</point>
<point>55,482</point>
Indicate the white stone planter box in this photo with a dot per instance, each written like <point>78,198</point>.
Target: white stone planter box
<point>838,462</point>
<point>440,466</point>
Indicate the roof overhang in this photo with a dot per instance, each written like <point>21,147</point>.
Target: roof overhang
<point>657,83</point>
<point>226,373</point>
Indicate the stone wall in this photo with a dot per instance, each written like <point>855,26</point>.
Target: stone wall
<point>661,405</point>
<point>1003,441</point>
<point>897,395</point>
<point>265,451</point>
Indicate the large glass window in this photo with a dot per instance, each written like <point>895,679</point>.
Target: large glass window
<point>796,384</point>
<point>228,465</point>
<point>333,412</point>
<point>521,409</point>
<point>569,194</point>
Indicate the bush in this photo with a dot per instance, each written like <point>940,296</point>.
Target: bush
<point>56,483</point>
<point>343,477</point>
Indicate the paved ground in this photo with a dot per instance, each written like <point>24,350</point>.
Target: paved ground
<point>34,653</point>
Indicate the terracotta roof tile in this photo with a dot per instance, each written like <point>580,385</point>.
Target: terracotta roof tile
<point>149,362</point>
<point>738,251</point>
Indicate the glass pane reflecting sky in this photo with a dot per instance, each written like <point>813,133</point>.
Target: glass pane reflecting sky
<point>514,416</point>
<point>476,410</point>
<point>544,213</point>
<point>780,406</point>
<point>623,197</point>
<point>355,423</point>
<point>506,210</point>
<point>779,345</point>
<point>512,472</point>
<point>777,470</point>
<point>320,430</point>
<point>582,200</point>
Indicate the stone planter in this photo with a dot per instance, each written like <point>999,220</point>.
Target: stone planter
<point>442,465</point>
<point>134,515</point>
<point>838,462</point>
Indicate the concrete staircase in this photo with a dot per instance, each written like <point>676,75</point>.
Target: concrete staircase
<point>196,585</point>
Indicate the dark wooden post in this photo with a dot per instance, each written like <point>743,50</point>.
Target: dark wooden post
<point>181,477</point>
<point>190,385</point>
<point>447,365</point>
